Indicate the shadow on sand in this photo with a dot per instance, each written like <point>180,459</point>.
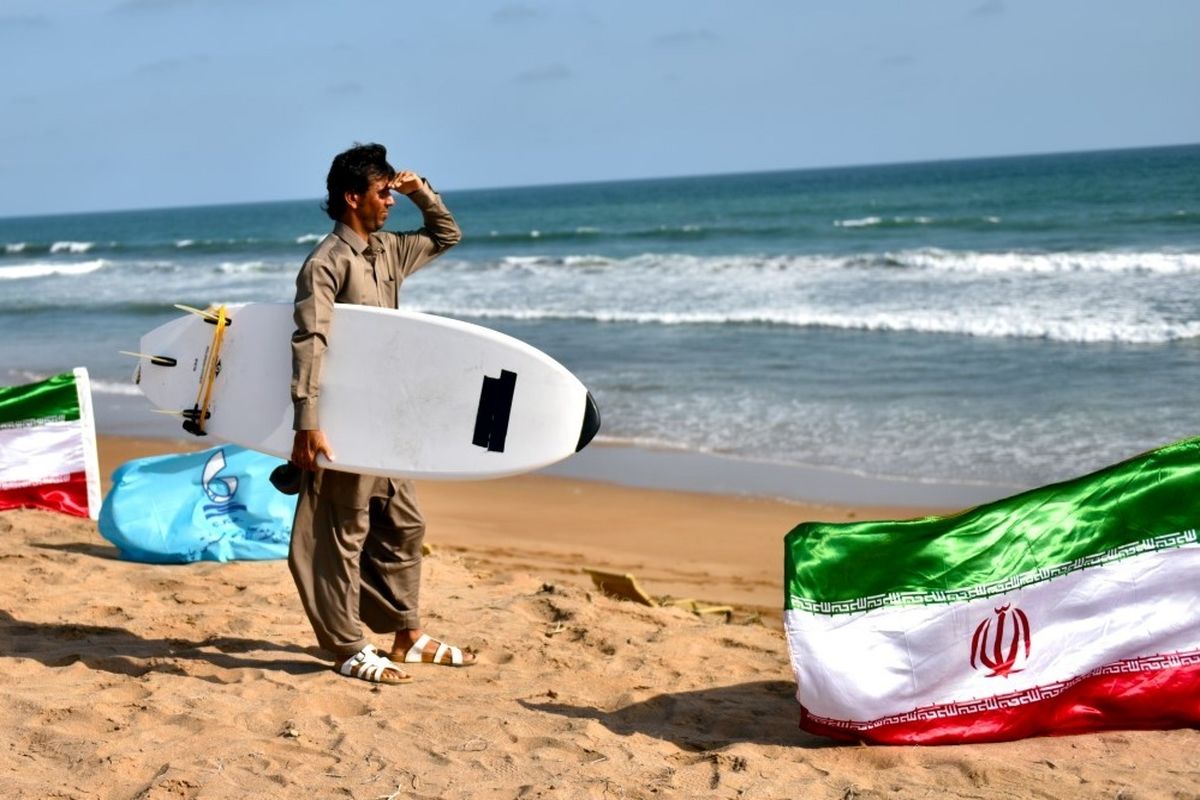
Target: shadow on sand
<point>123,652</point>
<point>761,712</point>
<point>106,551</point>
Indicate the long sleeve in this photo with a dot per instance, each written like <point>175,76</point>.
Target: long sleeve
<point>316,287</point>
<point>438,233</point>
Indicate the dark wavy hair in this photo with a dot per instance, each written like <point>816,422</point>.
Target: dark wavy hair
<point>353,171</point>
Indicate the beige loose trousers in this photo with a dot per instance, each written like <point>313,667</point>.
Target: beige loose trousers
<point>356,555</point>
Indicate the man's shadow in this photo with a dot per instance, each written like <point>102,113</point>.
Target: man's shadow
<point>761,712</point>
<point>122,652</point>
<point>105,551</point>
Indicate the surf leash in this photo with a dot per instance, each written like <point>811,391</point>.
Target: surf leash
<point>196,417</point>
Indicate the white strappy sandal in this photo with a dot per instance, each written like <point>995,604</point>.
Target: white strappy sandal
<point>368,665</point>
<point>445,656</point>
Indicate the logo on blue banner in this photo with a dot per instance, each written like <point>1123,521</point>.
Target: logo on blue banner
<point>221,491</point>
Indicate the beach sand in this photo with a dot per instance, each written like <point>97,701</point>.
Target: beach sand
<point>125,680</point>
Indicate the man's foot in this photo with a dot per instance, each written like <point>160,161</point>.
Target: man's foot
<point>427,650</point>
<point>368,665</point>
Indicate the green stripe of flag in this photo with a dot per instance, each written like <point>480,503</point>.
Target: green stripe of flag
<point>53,398</point>
<point>1115,513</point>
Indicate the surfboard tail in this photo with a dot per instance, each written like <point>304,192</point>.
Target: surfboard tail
<point>591,422</point>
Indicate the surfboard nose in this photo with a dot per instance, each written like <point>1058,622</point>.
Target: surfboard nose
<point>591,422</point>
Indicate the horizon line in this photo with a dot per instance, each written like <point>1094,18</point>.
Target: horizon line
<point>608,181</point>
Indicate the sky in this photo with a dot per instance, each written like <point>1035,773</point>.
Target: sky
<point>117,104</point>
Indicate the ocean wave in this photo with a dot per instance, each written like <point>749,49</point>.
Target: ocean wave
<point>1167,263</point>
<point>117,308</point>
<point>1180,216</point>
<point>45,269</point>
<point>526,262</point>
<point>141,249</point>
<point>687,232</point>
<point>865,222</point>
<point>246,267</point>
<point>114,388</point>
<point>71,247</point>
<point>917,221</point>
<point>23,376</point>
<point>927,322</point>
<point>496,237</point>
<point>206,245</point>
<point>917,260</point>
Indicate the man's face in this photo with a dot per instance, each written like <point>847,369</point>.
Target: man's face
<point>373,205</point>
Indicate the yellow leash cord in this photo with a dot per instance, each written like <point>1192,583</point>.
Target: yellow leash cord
<point>204,396</point>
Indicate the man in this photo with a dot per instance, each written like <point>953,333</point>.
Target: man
<point>356,540</point>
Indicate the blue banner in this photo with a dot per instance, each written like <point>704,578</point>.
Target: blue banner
<point>213,505</point>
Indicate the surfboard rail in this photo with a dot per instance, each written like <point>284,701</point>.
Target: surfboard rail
<point>402,393</point>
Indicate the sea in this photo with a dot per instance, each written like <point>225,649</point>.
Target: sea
<point>1001,323</point>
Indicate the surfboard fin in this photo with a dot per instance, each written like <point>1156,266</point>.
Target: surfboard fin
<point>591,422</point>
<point>210,317</point>
<point>192,420</point>
<point>158,361</point>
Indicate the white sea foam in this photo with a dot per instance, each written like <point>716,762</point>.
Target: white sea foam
<point>114,388</point>
<point>71,247</point>
<point>1017,262</point>
<point>185,243</point>
<point>22,376</point>
<point>242,267</point>
<point>310,238</point>
<point>1023,324</point>
<point>15,247</point>
<point>44,269</point>
<point>510,262</point>
<point>871,222</point>
<point>928,259</point>
<point>1013,326</point>
<point>865,222</point>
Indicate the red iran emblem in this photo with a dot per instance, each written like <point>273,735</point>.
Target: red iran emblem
<point>1006,649</point>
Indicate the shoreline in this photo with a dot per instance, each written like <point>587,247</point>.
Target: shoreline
<point>719,548</point>
<point>709,473</point>
<point>654,467</point>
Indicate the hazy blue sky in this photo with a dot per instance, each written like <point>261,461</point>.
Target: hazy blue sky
<point>142,103</point>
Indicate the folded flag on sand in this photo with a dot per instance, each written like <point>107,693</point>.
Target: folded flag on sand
<point>1070,608</point>
<point>48,446</point>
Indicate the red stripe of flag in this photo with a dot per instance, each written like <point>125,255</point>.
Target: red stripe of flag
<point>1165,698</point>
<point>69,496</point>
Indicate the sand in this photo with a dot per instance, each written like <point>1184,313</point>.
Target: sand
<point>125,680</point>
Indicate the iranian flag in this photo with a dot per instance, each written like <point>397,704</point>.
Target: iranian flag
<point>1070,608</point>
<point>48,446</point>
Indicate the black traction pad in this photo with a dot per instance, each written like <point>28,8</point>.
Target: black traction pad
<point>495,406</point>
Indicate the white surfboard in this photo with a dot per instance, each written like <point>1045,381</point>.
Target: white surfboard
<point>403,394</point>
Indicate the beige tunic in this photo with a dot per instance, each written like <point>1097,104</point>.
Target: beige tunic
<point>344,268</point>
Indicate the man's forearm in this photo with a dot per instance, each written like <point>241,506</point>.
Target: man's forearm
<point>439,223</point>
